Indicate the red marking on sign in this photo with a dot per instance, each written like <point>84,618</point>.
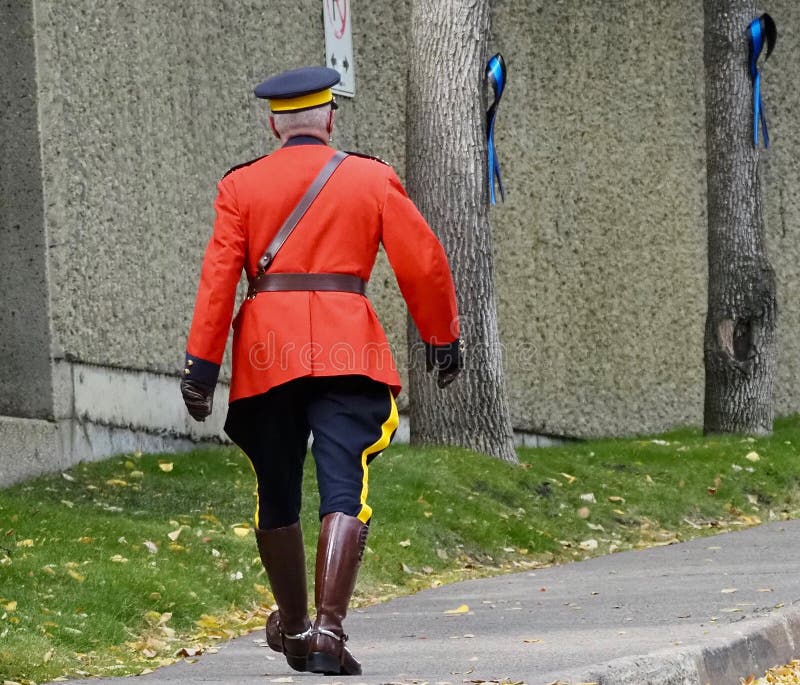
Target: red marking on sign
<point>334,8</point>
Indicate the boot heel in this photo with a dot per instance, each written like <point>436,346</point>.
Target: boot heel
<point>320,662</point>
<point>298,663</point>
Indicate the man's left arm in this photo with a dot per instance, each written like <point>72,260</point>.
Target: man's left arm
<point>213,311</point>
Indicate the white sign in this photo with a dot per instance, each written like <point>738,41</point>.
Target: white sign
<point>339,44</point>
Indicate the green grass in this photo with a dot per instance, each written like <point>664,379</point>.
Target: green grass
<point>81,593</point>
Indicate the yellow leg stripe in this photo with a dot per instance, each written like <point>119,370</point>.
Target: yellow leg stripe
<point>255,517</point>
<point>387,429</point>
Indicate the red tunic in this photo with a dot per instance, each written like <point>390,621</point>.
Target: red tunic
<point>279,336</point>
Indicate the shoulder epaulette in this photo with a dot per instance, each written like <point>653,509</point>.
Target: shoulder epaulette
<point>243,164</point>
<point>361,154</point>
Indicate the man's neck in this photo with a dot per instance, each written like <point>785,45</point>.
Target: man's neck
<point>303,140</point>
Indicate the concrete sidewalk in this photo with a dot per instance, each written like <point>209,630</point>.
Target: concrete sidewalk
<point>708,611</point>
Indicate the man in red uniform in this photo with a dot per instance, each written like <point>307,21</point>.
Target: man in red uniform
<point>309,354</point>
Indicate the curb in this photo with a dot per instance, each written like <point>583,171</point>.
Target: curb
<point>723,660</point>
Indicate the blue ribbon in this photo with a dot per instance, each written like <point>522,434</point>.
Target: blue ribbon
<point>759,30</point>
<point>496,76</point>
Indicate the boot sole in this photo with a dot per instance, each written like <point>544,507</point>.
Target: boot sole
<point>298,663</point>
<point>327,664</point>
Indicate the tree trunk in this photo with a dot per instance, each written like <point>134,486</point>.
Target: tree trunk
<point>740,346</point>
<point>447,178</point>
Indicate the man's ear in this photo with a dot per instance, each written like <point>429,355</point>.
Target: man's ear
<point>272,126</point>
<point>329,127</point>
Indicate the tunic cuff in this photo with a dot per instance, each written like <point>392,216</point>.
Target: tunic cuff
<point>200,370</point>
<point>444,357</point>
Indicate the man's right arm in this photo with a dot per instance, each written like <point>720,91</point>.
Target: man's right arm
<point>423,274</point>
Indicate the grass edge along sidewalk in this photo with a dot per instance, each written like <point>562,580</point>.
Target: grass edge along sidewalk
<point>119,566</point>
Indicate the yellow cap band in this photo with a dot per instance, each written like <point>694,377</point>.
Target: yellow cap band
<point>321,97</point>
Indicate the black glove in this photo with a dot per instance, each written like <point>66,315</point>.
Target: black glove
<point>198,398</point>
<point>446,359</point>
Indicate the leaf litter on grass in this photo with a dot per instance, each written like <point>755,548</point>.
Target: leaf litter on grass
<point>490,518</point>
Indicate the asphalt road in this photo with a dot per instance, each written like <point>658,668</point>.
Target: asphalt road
<point>707,611</point>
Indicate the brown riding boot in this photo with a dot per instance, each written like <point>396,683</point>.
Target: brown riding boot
<point>284,559</point>
<point>342,539</point>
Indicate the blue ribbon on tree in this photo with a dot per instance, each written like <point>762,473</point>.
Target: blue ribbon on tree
<point>496,76</point>
<point>760,29</point>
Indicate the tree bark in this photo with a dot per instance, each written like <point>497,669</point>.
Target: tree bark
<point>447,178</point>
<point>740,341</point>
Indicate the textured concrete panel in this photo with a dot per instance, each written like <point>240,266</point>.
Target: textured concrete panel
<point>782,195</point>
<point>25,379</point>
<point>601,242</point>
<point>30,447</point>
<point>142,401</point>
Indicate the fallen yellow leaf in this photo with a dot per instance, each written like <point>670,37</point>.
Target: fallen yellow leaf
<point>165,466</point>
<point>463,609</point>
<point>11,606</point>
<point>750,520</point>
<point>75,575</point>
<point>152,617</point>
<point>117,482</point>
<point>405,543</point>
<point>570,479</point>
<point>241,532</point>
<point>175,534</point>
<point>262,589</point>
<point>752,456</point>
<point>208,622</point>
<point>25,543</point>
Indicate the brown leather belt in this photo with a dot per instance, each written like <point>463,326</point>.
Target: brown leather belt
<point>344,283</point>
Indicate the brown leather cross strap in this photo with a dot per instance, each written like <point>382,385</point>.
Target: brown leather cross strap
<point>344,283</point>
<point>300,209</point>
<point>268,283</point>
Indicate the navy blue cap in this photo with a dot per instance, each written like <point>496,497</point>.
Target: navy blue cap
<point>299,89</point>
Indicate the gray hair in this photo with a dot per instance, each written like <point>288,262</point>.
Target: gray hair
<point>311,122</point>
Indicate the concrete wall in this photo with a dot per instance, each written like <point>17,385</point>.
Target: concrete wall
<point>141,107</point>
<point>601,245</point>
<point>26,388</point>
<point>782,196</point>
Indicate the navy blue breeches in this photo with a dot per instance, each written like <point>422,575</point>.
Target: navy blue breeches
<point>352,419</point>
